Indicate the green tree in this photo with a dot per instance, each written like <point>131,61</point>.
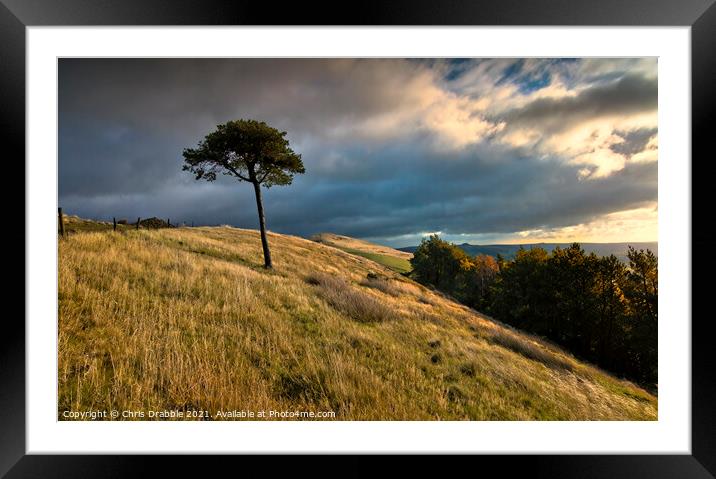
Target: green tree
<point>644,282</point>
<point>599,308</point>
<point>572,276</point>
<point>437,263</point>
<point>611,311</point>
<point>642,290</point>
<point>521,292</point>
<point>250,151</point>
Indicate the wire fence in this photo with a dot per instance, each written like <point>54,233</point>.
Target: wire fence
<point>65,228</point>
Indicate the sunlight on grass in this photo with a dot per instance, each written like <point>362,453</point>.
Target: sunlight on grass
<point>187,318</point>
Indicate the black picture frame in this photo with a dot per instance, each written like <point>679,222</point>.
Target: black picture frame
<point>700,15</point>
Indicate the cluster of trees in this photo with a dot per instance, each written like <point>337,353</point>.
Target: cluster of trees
<point>599,308</point>
<point>447,268</point>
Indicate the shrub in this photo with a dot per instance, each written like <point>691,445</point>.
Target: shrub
<point>153,222</point>
<point>300,387</point>
<point>313,280</point>
<point>454,393</point>
<point>468,369</point>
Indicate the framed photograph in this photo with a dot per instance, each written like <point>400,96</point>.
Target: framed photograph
<point>411,230</point>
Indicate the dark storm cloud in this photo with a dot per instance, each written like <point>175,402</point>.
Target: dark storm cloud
<point>630,94</point>
<point>377,164</point>
<point>633,141</point>
<point>472,196</point>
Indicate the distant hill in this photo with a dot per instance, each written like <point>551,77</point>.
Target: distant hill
<point>509,250</point>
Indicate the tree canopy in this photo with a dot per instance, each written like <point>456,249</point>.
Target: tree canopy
<point>249,150</point>
<point>600,308</point>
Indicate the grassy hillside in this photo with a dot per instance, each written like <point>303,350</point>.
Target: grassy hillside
<point>398,261</point>
<point>187,318</point>
<point>75,224</point>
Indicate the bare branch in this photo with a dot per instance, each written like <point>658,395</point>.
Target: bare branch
<point>236,173</point>
<point>265,175</point>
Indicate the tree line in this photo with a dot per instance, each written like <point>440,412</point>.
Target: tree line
<point>599,308</point>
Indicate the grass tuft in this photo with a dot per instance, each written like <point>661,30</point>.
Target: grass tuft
<point>382,284</point>
<point>345,298</point>
<point>528,348</point>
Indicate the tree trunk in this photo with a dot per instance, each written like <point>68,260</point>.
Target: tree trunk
<point>262,225</point>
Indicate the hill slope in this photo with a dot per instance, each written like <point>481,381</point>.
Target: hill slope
<point>187,318</point>
<point>398,261</point>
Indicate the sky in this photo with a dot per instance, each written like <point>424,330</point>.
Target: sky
<point>477,150</point>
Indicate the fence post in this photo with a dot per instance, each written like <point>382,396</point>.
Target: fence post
<point>62,221</point>
<point>138,219</point>
<point>192,224</point>
<point>168,223</point>
<point>114,223</point>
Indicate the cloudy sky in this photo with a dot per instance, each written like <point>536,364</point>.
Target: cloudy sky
<point>480,150</point>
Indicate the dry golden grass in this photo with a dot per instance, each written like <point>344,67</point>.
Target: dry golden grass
<point>187,318</point>
<point>346,242</point>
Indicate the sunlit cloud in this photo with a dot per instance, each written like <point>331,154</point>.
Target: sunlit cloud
<point>638,225</point>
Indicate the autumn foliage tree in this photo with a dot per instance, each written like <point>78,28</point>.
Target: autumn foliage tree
<point>249,151</point>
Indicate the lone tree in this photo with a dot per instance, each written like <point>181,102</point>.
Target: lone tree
<point>250,151</point>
